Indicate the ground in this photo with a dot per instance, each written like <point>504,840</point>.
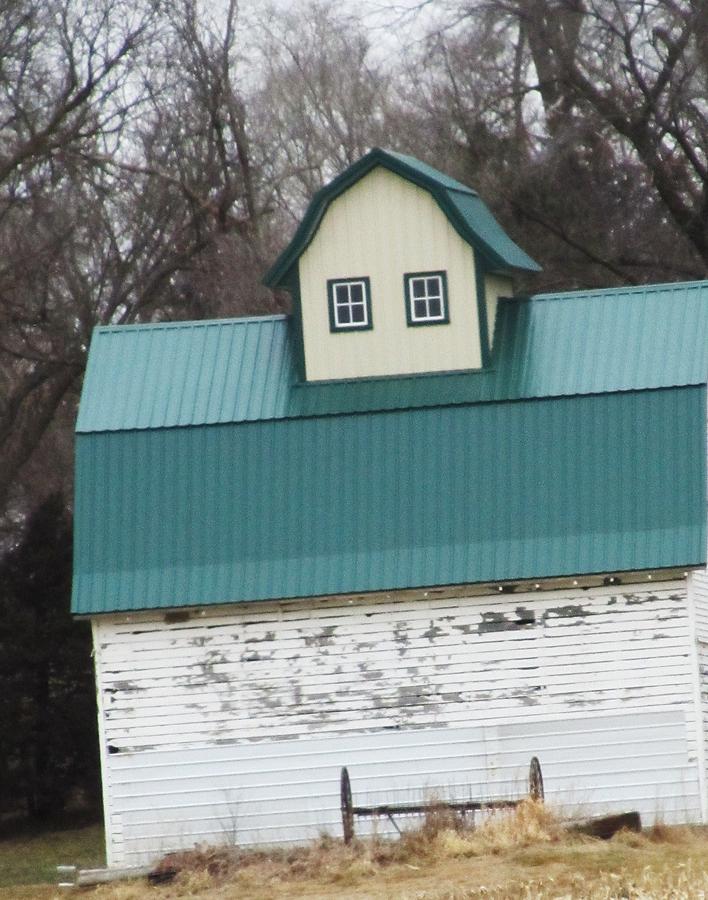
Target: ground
<point>30,855</point>
<point>527,857</point>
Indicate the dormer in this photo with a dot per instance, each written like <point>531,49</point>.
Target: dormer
<point>395,269</point>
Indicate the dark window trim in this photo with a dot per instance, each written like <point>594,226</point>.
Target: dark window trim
<point>331,284</point>
<point>407,278</point>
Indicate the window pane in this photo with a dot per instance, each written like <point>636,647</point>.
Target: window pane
<point>433,287</point>
<point>358,312</point>
<point>356,293</point>
<point>435,308</point>
<point>341,293</point>
<point>420,310</point>
<point>343,316</point>
<point>418,287</point>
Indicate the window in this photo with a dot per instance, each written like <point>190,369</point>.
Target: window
<point>426,298</point>
<point>349,304</point>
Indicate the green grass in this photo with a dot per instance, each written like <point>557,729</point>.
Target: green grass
<point>31,857</point>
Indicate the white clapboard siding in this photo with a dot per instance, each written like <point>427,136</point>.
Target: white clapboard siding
<point>699,596</point>
<point>233,725</point>
<point>700,593</point>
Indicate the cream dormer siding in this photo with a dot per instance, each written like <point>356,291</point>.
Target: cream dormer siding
<point>495,286</point>
<point>382,228</point>
<point>395,270</point>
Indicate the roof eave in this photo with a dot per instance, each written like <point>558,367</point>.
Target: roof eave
<point>494,263</point>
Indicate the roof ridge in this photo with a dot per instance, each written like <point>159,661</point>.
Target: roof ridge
<point>189,323</point>
<point>654,287</point>
<point>403,407</point>
<point>424,169</point>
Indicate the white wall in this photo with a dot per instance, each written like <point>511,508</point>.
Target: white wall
<point>238,720</point>
<point>698,595</point>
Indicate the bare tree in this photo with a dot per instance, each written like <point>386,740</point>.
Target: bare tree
<point>129,192</point>
<point>64,75</point>
<point>640,70</point>
<point>583,124</point>
<point>323,102</point>
<point>198,140</point>
<point>153,160</point>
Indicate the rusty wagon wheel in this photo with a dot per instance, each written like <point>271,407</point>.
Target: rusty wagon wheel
<point>535,780</point>
<point>345,793</point>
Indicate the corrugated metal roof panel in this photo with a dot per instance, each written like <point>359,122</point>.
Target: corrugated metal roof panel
<point>344,504</point>
<point>187,373</point>
<point>237,370</point>
<point>616,339</point>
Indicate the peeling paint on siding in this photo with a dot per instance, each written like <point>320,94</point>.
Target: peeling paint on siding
<point>700,601</point>
<point>293,674</point>
<point>566,612</point>
<point>488,648</point>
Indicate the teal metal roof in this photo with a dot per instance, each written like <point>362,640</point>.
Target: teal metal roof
<point>465,210</point>
<point>501,253</point>
<point>424,171</point>
<point>343,504</point>
<point>240,370</point>
<point>191,373</point>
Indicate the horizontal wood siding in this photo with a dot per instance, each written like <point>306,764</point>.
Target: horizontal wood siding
<point>699,592</point>
<point>234,724</point>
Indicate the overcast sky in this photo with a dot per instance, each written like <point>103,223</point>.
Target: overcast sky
<point>391,24</point>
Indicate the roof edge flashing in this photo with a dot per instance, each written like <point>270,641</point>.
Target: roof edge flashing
<point>596,580</point>
<point>187,323</point>
<point>664,287</point>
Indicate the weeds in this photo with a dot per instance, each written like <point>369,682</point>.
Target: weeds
<point>516,854</point>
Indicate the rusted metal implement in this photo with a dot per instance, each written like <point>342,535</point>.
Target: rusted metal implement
<point>349,811</point>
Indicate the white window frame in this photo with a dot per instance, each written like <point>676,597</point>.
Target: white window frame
<point>333,286</point>
<point>426,297</point>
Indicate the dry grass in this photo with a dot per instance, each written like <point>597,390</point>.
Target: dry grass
<point>521,855</point>
<point>30,855</point>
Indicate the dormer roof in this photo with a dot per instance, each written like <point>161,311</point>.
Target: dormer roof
<point>465,210</point>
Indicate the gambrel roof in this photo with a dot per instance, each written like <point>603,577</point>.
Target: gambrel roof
<point>207,474</point>
<point>464,208</point>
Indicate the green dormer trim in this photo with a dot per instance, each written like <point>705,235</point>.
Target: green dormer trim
<point>484,325</point>
<point>465,210</point>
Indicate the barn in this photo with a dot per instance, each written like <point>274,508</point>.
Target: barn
<point>422,527</point>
